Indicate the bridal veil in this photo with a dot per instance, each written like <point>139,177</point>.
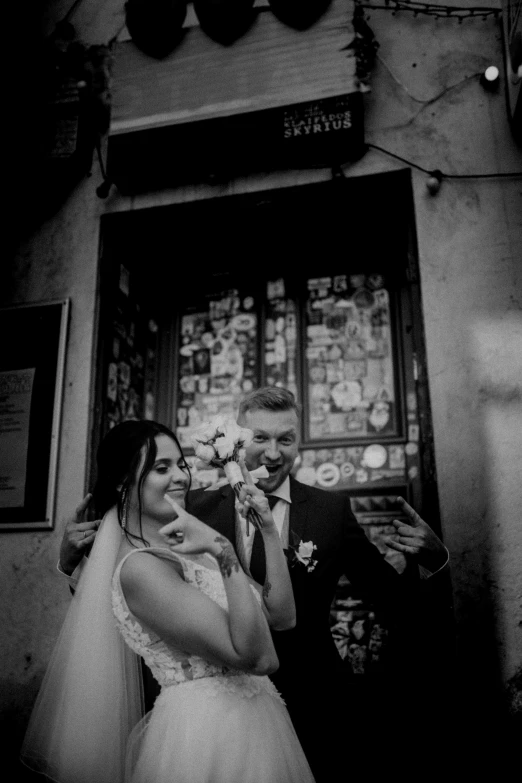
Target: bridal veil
<point>91,696</point>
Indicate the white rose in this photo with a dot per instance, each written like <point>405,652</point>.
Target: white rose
<point>224,447</point>
<point>204,433</point>
<point>231,430</point>
<point>218,423</point>
<point>204,452</point>
<point>305,551</point>
<point>246,437</point>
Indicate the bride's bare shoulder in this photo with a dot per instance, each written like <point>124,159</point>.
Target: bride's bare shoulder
<point>147,565</point>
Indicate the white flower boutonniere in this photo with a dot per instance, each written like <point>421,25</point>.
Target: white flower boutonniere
<point>301,552</point>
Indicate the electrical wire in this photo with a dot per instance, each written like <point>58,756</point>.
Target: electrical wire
<point>432,9</point>
<point>441,174</point>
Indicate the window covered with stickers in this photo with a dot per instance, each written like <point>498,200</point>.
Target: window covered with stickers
<point>218,358</point>
<point>351,382</point>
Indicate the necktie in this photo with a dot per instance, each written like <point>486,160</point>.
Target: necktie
<point>257,559</point>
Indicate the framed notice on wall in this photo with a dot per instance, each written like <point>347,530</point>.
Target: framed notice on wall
<point>31,386</point>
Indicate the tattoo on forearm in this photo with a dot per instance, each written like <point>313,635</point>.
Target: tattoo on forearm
<point>227,560</point>
<point>266,589</point>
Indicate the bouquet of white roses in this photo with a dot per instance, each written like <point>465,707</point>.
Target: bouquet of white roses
<point>220,443</point>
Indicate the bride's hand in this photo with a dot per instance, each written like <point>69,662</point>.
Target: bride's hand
<point>188,535</point>
<point>251,496</point>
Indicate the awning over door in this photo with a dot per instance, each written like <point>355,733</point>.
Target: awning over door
<point>277,96</point>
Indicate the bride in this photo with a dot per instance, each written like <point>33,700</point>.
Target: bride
<point>162,585</point>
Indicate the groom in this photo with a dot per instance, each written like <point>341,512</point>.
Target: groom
<point>321,697</point>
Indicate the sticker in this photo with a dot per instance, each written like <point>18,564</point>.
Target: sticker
<point>194,417</point>
<point>356,422</point>
<point>413,432</point>
<point>187,326</point>
<point>396,457</point>
<point>243,322</point>
<point>280,325</point>
<point>308,458</point>
<point>340,283</point>
<point>411,401</point>
<point>334,373</point>
<point>203,385</point>
<point>374,456</point>
<point>355,369</point>
<point>338,456</point>
<point>324,455</point>
<point>207,339</point>
<point>355,349</point>
<point>411,449</point>
<point>363,298</point>
<point>334,353</point>
<point>112,382</point>
<point>353,329</point>
<point>346,394</point>
<point>318,286</point>
<point>275,289</point>
<point>306,475</point>
<point>328,474</point>
<point>124,372</point>
<point>317,373</point>
<point>375,281</point>
<point>187,384</point>
<point>382,298</point>
<point>336,423</point>
<point>379,415</point>
<point>347,470</point>
<point>280,349</point>
<point>361,476</point>
<point>201,359</point>
<point>413,472</point>
<point>270,329</point>
<point>184,436</point>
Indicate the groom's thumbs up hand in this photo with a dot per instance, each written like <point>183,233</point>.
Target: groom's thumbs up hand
<point>416,538</point>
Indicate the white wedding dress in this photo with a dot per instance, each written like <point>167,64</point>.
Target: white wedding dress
<point>210,724</point>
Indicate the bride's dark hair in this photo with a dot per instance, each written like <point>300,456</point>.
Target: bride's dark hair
<point>118,460</point>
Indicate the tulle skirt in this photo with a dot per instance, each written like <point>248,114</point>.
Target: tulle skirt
<point>217,730</point>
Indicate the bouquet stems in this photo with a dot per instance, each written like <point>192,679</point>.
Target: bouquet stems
<point>252,516</point>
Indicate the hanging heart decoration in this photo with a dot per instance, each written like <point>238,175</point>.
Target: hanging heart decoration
<point>299,14</point>
<point>156,26</point>
<point>225,20</point>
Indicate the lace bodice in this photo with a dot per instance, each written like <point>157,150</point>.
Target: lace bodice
<point>172,666</point>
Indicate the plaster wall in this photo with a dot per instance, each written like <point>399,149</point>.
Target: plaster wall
<point>427,106</point>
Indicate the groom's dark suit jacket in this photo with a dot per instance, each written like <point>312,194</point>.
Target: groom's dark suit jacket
<point>311,671</point>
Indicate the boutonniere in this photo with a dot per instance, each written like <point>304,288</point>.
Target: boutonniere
<point>301,552</point>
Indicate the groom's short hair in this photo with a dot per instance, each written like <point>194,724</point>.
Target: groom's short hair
<point>269,398</point>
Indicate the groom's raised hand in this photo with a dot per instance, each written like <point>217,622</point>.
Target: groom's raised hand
<point>78,536</point>
<point>415,538</point>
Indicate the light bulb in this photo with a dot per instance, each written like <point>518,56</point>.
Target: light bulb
<point>490,78</point>
<point>433,182</point>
